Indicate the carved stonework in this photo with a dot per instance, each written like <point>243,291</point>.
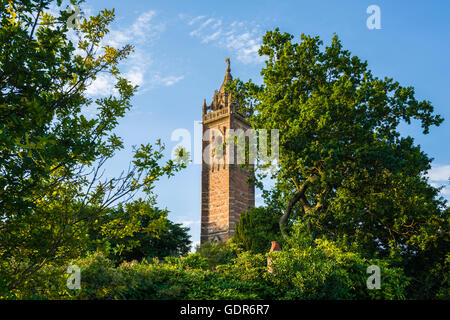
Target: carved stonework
<point>222,103</point>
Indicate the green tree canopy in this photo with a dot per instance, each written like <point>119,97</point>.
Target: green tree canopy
<point>52,154</point>
<point>152,234</point>
<point>344,167</point>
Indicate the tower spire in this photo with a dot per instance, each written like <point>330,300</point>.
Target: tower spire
<point>228,76</point>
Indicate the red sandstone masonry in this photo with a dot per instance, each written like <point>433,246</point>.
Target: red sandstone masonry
<point>225,188</point>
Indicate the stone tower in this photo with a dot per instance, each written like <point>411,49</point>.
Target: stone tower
<point>226,191</point>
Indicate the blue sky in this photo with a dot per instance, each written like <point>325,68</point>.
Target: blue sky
<point>179,61</point>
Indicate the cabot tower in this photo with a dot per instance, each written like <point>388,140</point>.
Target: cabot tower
<point>226,190</point>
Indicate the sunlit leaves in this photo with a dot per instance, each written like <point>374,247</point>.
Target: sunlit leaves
<point>53,147</point>
<point>339,124</point>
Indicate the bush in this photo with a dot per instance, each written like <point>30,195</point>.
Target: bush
<point>256,230</point>
<point>192,261</point>
<point>324,270</point>
<point>176,278</point>
<point>217,253</point>
<point>303,270</point>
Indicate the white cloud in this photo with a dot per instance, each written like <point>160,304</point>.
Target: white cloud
<point>241,38</point>
<point>259,201</point>
<point>194,245</point>
<point>446,191</point>
<point>439,173</point>
<point>188,223</point>
<point>142,34</point>
<point>103,85</point>
<point>117,38</point>
<point>141,27</point>
<point>194,20</point>
<point>171,80</point>
<point>143,31</point>
<point>212,37</point>
<point>135,76</point>
<point>167,81</point>
<point>439,177</point>
<point>134,70</point>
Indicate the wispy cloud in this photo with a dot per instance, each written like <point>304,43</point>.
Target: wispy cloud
<point>194,20</point>
<point>259,201</point>
<point>439,173</point>
<point>167,81</point>
<point>243,39</point>
<point>446,191</point>
<point>103,85</point>
<point>143,31</point>
<point>188,223</point>
<point>139,68</point>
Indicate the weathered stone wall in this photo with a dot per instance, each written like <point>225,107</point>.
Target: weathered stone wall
<point>225,190</point>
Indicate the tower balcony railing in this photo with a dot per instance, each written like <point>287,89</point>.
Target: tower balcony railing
<point>216,114</point>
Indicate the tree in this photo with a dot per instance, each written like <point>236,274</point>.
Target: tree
<point>344,168</point>
<point>51,152</point>
<point>153,235</point>
<point>256,229</point>
<point>175,242</point>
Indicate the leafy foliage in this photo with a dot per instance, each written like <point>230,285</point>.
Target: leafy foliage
<point>256,229</point>
<point>344,168</point>
<point>152,234</point>
<point>326,270</point>
<point>346,177</point>
<point>217,253</point>
<point>51,152</point>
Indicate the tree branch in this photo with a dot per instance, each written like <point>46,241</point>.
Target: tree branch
<point>299,195</point>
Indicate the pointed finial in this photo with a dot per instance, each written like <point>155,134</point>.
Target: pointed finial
<point>228,65</point>
<point>228,77</point>
<point>204,106</point>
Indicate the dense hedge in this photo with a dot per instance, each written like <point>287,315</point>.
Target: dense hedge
<point>321,271</point>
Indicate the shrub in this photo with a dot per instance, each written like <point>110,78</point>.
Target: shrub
<point>324,270</point>
<point>217,253</point>
<point>256,229</point>
<point>303,270</point>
